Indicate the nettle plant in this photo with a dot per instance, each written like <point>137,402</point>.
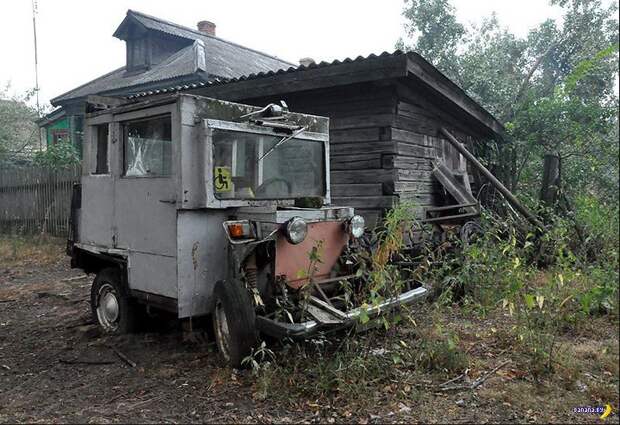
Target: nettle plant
<point>379,267</point>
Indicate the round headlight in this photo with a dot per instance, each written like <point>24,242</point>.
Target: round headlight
<point>296,230</point>
<point>356,226</point>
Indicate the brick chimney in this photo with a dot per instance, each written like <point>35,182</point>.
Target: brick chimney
<point>207,27</point>
<point>306,61</point>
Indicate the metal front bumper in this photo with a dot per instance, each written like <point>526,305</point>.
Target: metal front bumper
<point>299,330</point>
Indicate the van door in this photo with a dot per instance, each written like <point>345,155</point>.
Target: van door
<point>145,203</point>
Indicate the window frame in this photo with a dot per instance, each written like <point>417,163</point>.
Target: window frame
<point>95,143</point>
<point>124,139</point>
<point>211,124</point>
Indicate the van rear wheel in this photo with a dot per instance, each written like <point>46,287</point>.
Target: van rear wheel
<point>112,309</point>
<point>234,322</point>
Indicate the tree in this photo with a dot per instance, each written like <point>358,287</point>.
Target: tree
<point>554,89</point>
<point>19,134</point>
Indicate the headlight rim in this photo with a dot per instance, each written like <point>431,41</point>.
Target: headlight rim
<point>287,230</point>
<point>351,226</point>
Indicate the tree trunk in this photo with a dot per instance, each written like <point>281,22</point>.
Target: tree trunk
<point>551,180</point>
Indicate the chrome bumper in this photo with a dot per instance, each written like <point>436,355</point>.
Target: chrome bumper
<point>299,330</point>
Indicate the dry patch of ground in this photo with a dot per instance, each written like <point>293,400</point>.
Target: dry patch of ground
<point>56,367</point>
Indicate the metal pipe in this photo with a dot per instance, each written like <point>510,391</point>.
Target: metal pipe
<point>494,181</point>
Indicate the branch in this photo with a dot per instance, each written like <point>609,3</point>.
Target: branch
<point>509,112</point>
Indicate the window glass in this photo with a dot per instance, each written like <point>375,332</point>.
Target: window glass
<point>101,134</point>
<point>148,147</point>
<point>249,166</point>
<point>60,136</point>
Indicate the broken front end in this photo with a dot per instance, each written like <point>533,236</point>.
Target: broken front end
<point>303,269</point>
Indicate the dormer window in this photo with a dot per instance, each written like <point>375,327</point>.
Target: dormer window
<point>137,54</point>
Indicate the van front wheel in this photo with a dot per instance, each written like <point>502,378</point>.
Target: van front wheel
<point>234,322</point>
<point>112,309</point>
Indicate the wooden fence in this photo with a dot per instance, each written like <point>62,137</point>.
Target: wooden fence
<point>36,200</point>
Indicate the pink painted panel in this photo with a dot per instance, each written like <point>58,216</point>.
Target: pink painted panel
<point>291,259</point>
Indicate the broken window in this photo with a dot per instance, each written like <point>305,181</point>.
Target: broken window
<point>101,165</point>
<point>148,147</point>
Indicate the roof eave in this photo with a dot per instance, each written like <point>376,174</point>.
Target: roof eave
<point>430,76</point>
<point>129,20</point>
<point>312,77</point>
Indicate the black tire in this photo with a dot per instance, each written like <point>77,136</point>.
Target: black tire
<point>234,322</point>
<point>107,284</point>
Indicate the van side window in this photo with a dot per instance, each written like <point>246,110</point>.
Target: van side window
<point>101,166</point>
<point>147,147</point>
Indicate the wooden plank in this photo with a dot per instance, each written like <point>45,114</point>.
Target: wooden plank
<point>406,149</point>
<point>363,189</point>
<point>361,164</point>
<point>414,175</point>
<point>417,186</point>
<point>362,121</point>
<point>456,189</point>
<point>406,162</point>
<point>366,201</point>
<point>362,176</point>
<point>362,148</point>
<point>355,135</point>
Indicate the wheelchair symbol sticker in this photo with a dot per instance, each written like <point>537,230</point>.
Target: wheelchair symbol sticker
<point>223,179</point>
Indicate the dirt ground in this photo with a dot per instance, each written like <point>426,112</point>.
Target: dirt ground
<point>56,367</point>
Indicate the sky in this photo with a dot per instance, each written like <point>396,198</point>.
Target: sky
<point>75,43</point>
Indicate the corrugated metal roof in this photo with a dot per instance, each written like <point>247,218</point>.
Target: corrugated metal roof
<point>157,24</point>
<point>252,76</point>
<point>219,59</point>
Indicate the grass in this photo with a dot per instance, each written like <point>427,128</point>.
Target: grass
<point>22,250</point>
<point>556,326</point>
<point>548,309</point>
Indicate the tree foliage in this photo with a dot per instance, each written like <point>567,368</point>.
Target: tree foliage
<point>18,130</point>
<point>59,155</point>
<point>554,89</point>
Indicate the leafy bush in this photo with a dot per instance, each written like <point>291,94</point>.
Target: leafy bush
<point>62,154</point>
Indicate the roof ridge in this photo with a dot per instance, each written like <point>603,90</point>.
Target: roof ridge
<point>202,34</point>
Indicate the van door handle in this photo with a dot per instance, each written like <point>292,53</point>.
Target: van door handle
<point>168,201</point>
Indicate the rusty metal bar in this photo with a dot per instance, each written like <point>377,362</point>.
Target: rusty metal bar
<point>494,181</point>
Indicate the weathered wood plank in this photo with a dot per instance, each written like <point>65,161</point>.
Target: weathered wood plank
<point>362,148</point>
<point>403,174</point>
<point>362,121</point>
<point>406,162</point>
<point>370,134</point>
<point>407,149</point>
<point>417,187</point>
<point>361,164</point>
<point>352,189</point>
<point>362,176</point>
<point>366,201</point>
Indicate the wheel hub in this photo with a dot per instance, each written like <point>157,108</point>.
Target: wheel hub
<point>108,307</point>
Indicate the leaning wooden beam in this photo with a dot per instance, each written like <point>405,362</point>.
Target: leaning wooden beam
<point>494,181</point>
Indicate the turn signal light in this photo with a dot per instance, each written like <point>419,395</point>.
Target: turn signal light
<point>239,229</point>
<point>235,230</point>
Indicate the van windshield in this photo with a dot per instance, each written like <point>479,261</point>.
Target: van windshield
<point>292,170</point>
